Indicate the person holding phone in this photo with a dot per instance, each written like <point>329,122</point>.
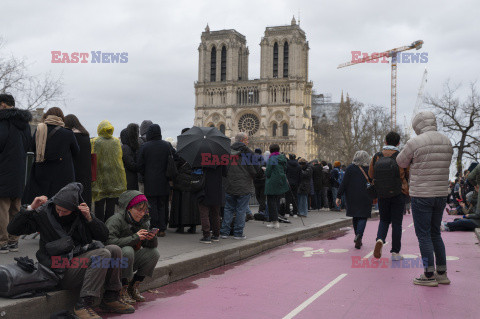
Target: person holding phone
<point>130,230</point>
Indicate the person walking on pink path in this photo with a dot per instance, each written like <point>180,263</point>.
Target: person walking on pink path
<point>429,155</point>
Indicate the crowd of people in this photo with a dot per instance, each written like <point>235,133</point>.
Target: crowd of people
<point>134,196</point>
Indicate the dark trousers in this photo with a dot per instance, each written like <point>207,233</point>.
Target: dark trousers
<point>462,224</point>
<point>210,219</point>
<point>260,195</point>
<point>103,213</point>
<point>391,212</point>
<point>273,202</point>
<point>359,224</point>
<point>427,216</point>
<point>325,203</point>
<point>291,198</point>
<point>158,214</point>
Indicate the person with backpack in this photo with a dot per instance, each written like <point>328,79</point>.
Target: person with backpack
<point>392,187</point>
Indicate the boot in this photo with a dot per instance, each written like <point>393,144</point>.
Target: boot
<point>112,302</point>
<point>133,291</point>
<point>125,296</point>
<point>83,309</point>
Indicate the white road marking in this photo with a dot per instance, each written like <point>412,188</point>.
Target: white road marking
<point>410,225</point>
<point>403,230</point>
<point>452,258</point>
<point>307,302</point>
<point>408,256</point>
<point>338,250</point>
<point>303,249</point>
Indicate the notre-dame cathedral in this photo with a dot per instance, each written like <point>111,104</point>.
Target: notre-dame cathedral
<point>273,109</point>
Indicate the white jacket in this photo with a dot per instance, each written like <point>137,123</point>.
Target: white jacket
<point>429,155</point>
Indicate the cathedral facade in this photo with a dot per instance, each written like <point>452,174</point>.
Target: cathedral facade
<point>273,109</point>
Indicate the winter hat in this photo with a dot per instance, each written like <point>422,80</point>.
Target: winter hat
<point>258,151</point>
<point>337,164</point>
<point>137,200</point>
<point>144,127</point>
<point>69,197</point>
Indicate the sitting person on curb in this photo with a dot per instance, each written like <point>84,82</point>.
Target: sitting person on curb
<point>70,244</point>
<point>471,217</point>
<point>129,230</point>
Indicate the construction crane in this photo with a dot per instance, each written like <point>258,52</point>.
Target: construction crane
<point>388,54</point>
<point>418,104</point>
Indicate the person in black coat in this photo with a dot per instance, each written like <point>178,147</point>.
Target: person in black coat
<point>82,162</point>
<point>15,139</point>
<point>293,172</point>
<point>317,184</point>
<point>55,170</point>
<point>130,147</point>
<point>152,164</point>
<point>354,186</point>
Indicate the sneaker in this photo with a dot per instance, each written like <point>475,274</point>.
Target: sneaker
<point>116,306</point>
<point>240,237</point>
<point>224,236</point>
<point>424,281</point>
<point>13,246</point>
<point>396,257</point>
<point>270,225</point>
<point>249,217</point>
<point>206,240</point>
<point>444,227</point>
<point>85,312</point>
<point>214,238</point>
<point>4,249</point>
<point>276,225</point>
<point>295,216</point>
<point>377,251</point>
<point>442,279</point>
<point>283,220</point>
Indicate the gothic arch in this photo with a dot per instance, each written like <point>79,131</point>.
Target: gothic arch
<point>284,127</point>
<point>273,128</point>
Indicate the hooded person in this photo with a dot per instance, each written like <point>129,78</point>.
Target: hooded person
<point>130,148</point>
<point>143,131</point>
<point>111,179</point>
<point>130,230</point>
<point>152,163</point>
<point>276,183</point>
<point>293,172</point>
<point>429,156</point>
<point>71,235</point>
<point>15,139</point>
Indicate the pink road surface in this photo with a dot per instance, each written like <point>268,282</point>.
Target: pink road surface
<point>277,283</point>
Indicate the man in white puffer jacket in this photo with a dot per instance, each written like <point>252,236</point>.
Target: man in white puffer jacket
<point>429,155</point>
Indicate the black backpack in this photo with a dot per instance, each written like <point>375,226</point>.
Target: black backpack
<point>386,176</point>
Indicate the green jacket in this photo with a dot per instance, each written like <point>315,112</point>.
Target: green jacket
<point>276,182</point>
<point>122,230</point>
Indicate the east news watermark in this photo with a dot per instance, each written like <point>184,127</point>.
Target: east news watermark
<point>97,57</point>
<point>406,263</point>
<point>401,57</point>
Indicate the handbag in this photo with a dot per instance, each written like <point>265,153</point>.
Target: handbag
<point>371,190</point>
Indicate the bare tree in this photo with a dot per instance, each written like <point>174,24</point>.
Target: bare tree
<point>30,91</point>
<point>459,120</point>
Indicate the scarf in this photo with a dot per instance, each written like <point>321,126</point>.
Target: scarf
<point>42,134</point>
<point>274,154</point>
<point>390,147</point>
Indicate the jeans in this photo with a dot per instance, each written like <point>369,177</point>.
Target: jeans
<point>334,196</point>
<point>302,204</point>
<point>462,224</point>
<point>427,216</point>
<point>359,224</point>
<point>273,204</point>
<point>391,212</point>
<point>325,197</point>
<point>235,206</point>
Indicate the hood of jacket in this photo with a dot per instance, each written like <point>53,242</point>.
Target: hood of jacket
<point>238,148</point>
<point>154,132</point>
<point>424,122</point>
<point>144,127</point>
<point>292,163</point>
<point>281,159</point>
<point>105,129</point>
<point>129,136</point>
<point>126,197</point>
<point>19,118</point>
<point>69,197</point>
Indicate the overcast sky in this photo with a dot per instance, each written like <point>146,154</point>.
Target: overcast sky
<point>162,37</point>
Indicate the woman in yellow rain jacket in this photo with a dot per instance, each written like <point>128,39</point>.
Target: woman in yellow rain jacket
<point>111,180</point>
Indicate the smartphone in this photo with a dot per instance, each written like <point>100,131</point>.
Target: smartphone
<point>154,231</point>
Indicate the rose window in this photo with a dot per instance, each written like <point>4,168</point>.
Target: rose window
<point>248,123</point>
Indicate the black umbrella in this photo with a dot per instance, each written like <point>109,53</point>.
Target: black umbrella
<point>202,140</point>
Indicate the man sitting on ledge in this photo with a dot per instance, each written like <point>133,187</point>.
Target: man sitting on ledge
<point>70,244</point>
